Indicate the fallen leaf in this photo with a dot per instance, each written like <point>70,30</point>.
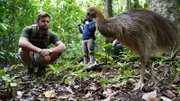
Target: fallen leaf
<point>165,98</point>
<point>154,99</point>
<point>93,87</point>
<point>49,94</point>
<point>149,95</point>
<point>117,85</point>
<point>69,90</point>
<point>72,99</point>
<point>64,97</point>
<point>169,93</point>
<point>109,97</point>
<point>87,95</point>
<point>107,92</point>
<point>41,96</point>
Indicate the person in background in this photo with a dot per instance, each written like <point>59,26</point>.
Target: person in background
<point>33,45</point>
<point>88,40</point>
<point>117,48</point>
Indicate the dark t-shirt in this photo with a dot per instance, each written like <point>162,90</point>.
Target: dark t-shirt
<point>36,40</point>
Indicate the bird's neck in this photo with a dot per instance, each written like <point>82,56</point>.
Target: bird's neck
<point>100,19</point>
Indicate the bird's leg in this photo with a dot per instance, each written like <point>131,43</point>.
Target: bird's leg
<point>154,81</point>
<point>175,51</point>
<point>149,64</point>
<point>140,84</point>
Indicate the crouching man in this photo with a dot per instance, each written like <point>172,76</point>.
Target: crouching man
<point>33,45</point>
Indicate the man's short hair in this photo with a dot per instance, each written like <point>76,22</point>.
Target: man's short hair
<point>43,14</point>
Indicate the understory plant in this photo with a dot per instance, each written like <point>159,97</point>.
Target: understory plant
<point>10,83</point>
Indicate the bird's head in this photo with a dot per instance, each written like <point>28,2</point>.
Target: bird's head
<point>91,14</point>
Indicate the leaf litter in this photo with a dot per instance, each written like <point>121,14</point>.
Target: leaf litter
<point>104,83</point>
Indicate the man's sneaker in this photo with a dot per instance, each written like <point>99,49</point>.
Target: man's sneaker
<point>27,77</point>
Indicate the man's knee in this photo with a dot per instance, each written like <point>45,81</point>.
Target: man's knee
<point>23,52</point>
<point>26,56</point>
<point>54,57</point>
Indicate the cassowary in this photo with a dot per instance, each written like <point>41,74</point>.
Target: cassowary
<point>140,30</point>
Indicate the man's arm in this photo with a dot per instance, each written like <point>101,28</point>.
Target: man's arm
<point>80,29</point>
<point>60,47</point>
<point>26,45</point>
<point>115,42</point>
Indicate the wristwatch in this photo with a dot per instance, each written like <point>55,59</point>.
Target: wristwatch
<point>50,51</point>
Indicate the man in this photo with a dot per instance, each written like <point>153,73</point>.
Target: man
<point>88,41</point>
<point>117,48</point>
<point>33,45</point>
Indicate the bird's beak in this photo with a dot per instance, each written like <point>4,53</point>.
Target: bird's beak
<point>85,19</point>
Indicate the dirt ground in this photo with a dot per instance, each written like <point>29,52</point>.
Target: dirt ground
<point>53,87</point>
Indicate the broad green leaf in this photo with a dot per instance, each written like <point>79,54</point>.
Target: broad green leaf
<point>13,84</point>
<point>6,78</point>
<point>2,72</point>
<point>127,73</point>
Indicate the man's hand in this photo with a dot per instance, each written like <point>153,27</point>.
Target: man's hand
<point>114,42</point>
<point>79,25</point>
<point>44,52</point>
<point>47,59</point>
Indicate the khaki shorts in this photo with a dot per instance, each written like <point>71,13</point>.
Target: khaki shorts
<point>37,59</point>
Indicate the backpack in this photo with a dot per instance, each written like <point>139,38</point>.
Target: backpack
<point>33,34</point>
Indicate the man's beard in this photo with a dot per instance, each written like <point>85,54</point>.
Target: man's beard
<point>43,28</point>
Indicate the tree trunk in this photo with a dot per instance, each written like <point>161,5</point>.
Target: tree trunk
<point>108,8</point>
<point>128,4</point>
<point>136,4</point>
<point>108,13</point>
<point>168,9</point>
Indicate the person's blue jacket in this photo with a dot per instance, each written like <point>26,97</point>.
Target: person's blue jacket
<point>88,30</point>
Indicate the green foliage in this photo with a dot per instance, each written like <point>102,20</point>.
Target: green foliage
<point>3,29</point>
<point>8,57</point>
<point>124,82</point>
<point>78,72</point>
<point>178,1</point>
<point>65,14</point>
<point>10,82</point>
<point>73,52</point>
<point>114,80</point>
<point>121,78</point>
<point>95,75</point>
<point>106,81</point>
<point>127,73</point>
<point>15,66</point>
<point>15,14</point>
<point>54,70</point>
<point>2,73</point>
<point>104,58</point>
<point>177,64</point>
<point>79,75</point>
<point>126,54</point>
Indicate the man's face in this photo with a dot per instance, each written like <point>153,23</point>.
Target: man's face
<point>44,23</point>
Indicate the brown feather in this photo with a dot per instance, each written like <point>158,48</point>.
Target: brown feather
<point>142,31</point>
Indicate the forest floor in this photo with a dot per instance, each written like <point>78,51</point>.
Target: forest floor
<point>102,83</point>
